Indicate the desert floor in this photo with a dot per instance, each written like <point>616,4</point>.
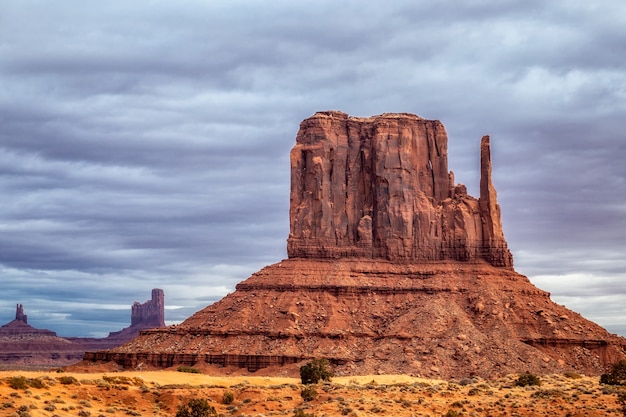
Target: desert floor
<point>159,393</point>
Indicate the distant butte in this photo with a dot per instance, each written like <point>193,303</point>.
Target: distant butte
<point>20,326</point>
<point>23,345</point>
<point>392,268</point>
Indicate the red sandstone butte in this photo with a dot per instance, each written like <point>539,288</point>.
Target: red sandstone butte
<point>392,268</point>
<point>380,188</point>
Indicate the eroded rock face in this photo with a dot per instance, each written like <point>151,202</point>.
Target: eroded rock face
<point>151,313</point>
<point>437,319</point>
<point>379,187</point>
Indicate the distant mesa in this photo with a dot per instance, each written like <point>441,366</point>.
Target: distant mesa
<point>23,345</point>
<point>392,268</point>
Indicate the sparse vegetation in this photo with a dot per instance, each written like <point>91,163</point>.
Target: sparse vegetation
<point>300,413</point>
<point>617,376</point>
<point>196,408</point>
<point>527,379</point>
<point>67,380</point>
<point>188,369</point>
<point>315,371</point>
<point>308,393</point>
<point>18,382</point>
<point>159,394</point>
<point>621,400</point>
<point>228,397</point>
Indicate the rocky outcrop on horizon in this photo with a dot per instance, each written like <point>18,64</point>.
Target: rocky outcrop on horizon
<point>148,315</point>
<point>22,345</point>
<point>392,268</point>
<point>19,326</point>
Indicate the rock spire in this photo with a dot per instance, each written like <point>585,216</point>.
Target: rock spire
<point>19,314</point>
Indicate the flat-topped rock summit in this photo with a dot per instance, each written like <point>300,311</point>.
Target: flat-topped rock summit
<point>379,188</point>
<point>392,268</point>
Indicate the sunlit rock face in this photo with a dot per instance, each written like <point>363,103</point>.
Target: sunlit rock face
<point>379,187</point>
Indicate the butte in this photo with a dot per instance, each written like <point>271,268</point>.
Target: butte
<point>392,268</point>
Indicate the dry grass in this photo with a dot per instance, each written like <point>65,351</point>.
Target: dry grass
<point>158,393</point>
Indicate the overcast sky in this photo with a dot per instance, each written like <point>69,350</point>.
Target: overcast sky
<point>145,144</point>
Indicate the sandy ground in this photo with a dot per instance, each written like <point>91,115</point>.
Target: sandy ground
<point>159,393</point>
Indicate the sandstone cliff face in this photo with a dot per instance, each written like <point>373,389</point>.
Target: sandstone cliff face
<point>392,268</point>
<point>151,313</point>
<point>380,187</point>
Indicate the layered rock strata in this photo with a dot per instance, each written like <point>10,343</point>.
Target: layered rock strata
<point>444,319</point>
<point>23,345</point>
<point>392,269</point>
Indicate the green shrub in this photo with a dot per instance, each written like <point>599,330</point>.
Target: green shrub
<point>228,397</point>
<point>308,393</point>
<point>527,379</point>
<point>196,408</point>
<point>315,371</point>
<point>188,369</point>
<point>617,376</point>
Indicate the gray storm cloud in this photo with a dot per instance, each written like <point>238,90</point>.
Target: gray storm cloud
<point>146,144</point>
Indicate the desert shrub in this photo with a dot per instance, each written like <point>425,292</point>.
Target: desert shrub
<point>451,413</point>
<point>85,403</point>
<point>617,376</point>
<point>114,380</point>
<point>228,397</point>
<point>67,380</point>
<point>572,375</point>
<point>621,399</point>
<point>18,382</point>
<point>196,408</point>
<point>23,411</point>
<point>188,369</point>
<point>308,393</point>
<point>315,371</point>
<point>527,379</point>
<point>300,413</point>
